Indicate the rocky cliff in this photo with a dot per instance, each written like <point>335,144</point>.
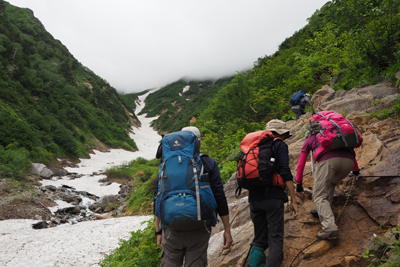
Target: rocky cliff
<point>371,206</point>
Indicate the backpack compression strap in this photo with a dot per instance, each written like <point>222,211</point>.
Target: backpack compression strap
<point>196,182</point>
<point>162,178</point>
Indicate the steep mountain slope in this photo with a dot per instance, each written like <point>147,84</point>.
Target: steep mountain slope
<point>365,207</point>
<point>50,105</point>
<point>345,44</point>
<point>180,103</point>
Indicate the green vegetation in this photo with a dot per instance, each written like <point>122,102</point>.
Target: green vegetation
<point>345,42</point>
<point>129,101</point>
<point>50,105</point>
<point>144,174</point>
<point>385,113</point>
<point>177,108</point>
<point>389,250</point>
<point>140,250</point>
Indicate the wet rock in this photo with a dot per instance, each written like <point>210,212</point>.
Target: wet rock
<point>51,187</point>
<point>55,220</point>
<point>59,171</point>
<point>68,187</point>
<point>105,204</point>
<point>71,198</point>
<point>40,225</point>
<point>64,219</point>
<point>69,210</point>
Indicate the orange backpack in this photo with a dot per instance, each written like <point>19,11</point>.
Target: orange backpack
<point>256,169</point>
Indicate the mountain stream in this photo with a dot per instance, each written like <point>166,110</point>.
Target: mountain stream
<point>84,243</point>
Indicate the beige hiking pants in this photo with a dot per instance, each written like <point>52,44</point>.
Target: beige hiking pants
<point>328,173</point>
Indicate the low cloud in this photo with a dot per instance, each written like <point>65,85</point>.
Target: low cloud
<point>137,45</point>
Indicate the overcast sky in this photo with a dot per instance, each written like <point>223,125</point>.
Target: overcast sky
<point>142,44</point>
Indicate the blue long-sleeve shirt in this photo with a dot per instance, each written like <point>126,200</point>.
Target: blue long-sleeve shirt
<point>211,167</point>
<point>282,159</point>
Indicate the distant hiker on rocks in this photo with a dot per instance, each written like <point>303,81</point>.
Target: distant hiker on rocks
<point>335,158</point>
<point>267,201</point>
<point>188,194</point>
<point>299,101</point>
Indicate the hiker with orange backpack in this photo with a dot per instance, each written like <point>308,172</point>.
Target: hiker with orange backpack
<point>332,140</point>
<point>264,170</point>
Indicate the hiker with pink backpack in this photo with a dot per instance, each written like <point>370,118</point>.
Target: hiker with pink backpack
<point>332,139</point>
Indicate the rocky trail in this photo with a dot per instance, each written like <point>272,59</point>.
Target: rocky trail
<point>369,208</point>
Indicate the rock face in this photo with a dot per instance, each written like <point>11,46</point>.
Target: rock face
<point>41,170</point>
<point>373,204</point>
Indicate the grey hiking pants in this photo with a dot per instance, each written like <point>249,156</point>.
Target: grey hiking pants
<point>298,111</point>
<point>187,249</point>
<point>328,173</point>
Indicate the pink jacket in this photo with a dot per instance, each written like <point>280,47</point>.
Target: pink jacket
<point>309,145</point>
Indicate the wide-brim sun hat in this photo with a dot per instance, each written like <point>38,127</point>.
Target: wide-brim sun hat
<point>277,126</point>
<point>194,130</point>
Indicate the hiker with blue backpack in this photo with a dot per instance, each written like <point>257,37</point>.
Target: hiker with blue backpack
<point>332,139</point>
<point>263,169</point>
<point>189,192</point>
<point>298,101</point>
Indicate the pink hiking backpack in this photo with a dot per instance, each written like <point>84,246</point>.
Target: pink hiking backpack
<point>333,131</point>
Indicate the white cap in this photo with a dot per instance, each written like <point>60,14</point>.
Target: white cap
<point>194,130</point>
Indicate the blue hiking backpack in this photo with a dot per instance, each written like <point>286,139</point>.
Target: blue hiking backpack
<point>296,98</point>
<point>184,200</point>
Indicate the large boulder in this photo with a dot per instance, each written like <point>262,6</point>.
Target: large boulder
<point>104,204</point>
<point>41,170</point>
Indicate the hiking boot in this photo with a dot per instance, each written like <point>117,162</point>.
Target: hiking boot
<point>328,235</point>
<point>314,213</point>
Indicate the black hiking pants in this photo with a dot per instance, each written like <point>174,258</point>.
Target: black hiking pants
<point>268,220</point>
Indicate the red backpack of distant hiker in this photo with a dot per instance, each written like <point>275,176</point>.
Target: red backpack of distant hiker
<point>333,131</point>
<point>256,169</point>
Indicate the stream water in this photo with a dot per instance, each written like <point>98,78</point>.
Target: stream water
<point>84,243</point>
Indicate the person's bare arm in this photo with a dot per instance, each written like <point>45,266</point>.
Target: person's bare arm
<point>158,228</point>
<point>227,232</point>
<point>293,205</point>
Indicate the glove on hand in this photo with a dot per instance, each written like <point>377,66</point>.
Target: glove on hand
<point>352,173</point>
<point>299,188</point>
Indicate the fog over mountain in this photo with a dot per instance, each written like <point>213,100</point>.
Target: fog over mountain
<point>136,45</point>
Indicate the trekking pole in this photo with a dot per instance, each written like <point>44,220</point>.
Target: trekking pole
<point>312,242</point>
<point>380,176</point>
<point>247,257</point>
